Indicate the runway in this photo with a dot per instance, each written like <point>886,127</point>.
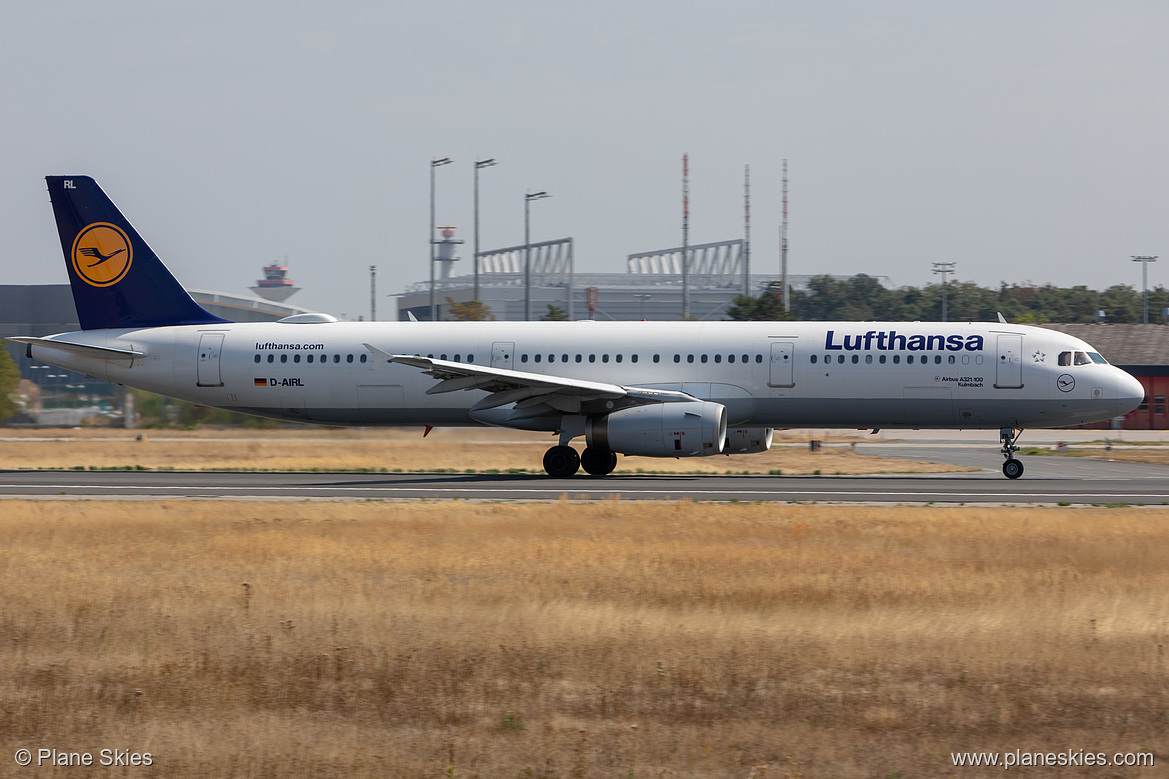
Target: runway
<point>983,487</point>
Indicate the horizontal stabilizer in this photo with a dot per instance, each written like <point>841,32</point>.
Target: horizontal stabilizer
<point>103,352</point>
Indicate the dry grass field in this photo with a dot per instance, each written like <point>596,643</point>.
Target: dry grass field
<point>579,640</point>
<point>393,450</point>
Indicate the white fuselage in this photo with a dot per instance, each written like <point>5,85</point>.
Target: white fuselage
<point>767,374</point>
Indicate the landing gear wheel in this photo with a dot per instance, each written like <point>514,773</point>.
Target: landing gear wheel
<point>598,462</point>
<point>1012,469</point>
<point>561,461</point>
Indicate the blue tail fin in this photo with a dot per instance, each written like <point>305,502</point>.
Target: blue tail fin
<point>117,280</point>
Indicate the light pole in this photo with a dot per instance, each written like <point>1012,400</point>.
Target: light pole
<point>528,198</point>
<point>434,164</point>
<point>642,297</point>
<point>478,164</point>
<point>1144,260</point>
<point>944,268</point>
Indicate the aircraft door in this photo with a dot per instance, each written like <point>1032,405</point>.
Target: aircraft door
<point>501,354</point>
<point>210,345</point>
<point>1009,370</point>
<point>782,365</point>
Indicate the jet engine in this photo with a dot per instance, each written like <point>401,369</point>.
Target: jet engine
<point>684,429</point>
<point>748,440</point>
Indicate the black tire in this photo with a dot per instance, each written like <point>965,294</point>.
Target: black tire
<point>561,461</point>
<point>1012,469</point>
<point>598,462</point>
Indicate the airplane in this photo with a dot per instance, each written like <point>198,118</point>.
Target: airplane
<point>652,389</point>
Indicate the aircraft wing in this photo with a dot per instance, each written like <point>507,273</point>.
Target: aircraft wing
<point>534,394</point>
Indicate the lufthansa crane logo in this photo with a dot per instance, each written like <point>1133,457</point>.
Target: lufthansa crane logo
<point>102,254</point>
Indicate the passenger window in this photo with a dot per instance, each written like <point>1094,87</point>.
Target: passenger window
<point>1082,359</point>
<point>564,358</point>
<point>551,358</point>
<point>604,358</point>
<point>813,358</point>
<point>442,357</point>
<point>336,358</point>
<point>633,358</point>
<point>592,358</point>
<point>758,358</point>
<point>856,358</point>
<point>470,358</point>
<point>539,357</point>
<point>324,357</point>
<point>1065,358</point>
<point>296,358</point>
<point>840,359</point>
<point>284,358</point>
<point>882,359</point>
<point>579,358</point>
<point>868,359</point>
<point>896,359</point>
<point>703,358</point>
<point>731,358</point>
<point>271,358</point>
<point>909,359</point>
<point>718,358</point>
<point>690,358</point>
<point>257,358</point>
<point>747,358</point>
<point>309,358</point>
<point>349,358</point>
<point>677,358</point>
<point>937,359</point>
<point>657,358</point>
<point>523,358</point>
<point>952,359</point>
<point>364,357</point>
<point>618,358</point>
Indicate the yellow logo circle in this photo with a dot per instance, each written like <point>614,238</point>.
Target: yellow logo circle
<point>102,254</point>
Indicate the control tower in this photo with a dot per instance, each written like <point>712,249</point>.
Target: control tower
<point>445,251</point>
<point>274,286</point>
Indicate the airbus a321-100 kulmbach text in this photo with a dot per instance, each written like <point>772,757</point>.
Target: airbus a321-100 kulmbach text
<point>654,389</point>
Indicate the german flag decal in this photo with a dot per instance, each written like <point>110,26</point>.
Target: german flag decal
<point>260,382</point>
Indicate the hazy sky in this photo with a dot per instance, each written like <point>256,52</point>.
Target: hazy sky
<point>1024,140</point>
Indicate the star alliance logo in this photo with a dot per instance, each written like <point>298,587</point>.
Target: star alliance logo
<point>1039,356</point>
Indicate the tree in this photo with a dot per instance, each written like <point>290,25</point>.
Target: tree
<point>555,314</point>
<point>471,311</point>
<point>768,307</point>
<point>9,381</point>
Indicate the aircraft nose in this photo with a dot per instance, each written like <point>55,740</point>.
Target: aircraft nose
<point>1130,393</point>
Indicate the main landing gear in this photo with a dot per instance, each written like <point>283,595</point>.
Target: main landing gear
<point>563,461</point>
<point>1012,468</point>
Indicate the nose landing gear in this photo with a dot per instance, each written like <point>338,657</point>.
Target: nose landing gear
<point>1012,468</point>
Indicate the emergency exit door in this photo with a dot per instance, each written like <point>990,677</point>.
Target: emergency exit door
<point>1009,368</point>
<point>782,373</point>
<point>210,345</point>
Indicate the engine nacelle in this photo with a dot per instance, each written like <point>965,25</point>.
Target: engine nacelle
<point>686,429</point>
<point>748,440</point>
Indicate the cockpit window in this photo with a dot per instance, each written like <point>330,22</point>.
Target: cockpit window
<point>1065,358</point>
<point>1082,359</point>
<point>1098,359</point>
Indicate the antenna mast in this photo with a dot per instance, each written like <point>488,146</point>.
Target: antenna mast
<point>746,229</point>
<point>783,244</point>
<point>685,236</point>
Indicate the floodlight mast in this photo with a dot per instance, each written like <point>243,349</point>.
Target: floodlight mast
<point>434,163</point>
<point>479,164</point>
<point>944,268</point>
<point>1144,260</point>
<point>528,198</point>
